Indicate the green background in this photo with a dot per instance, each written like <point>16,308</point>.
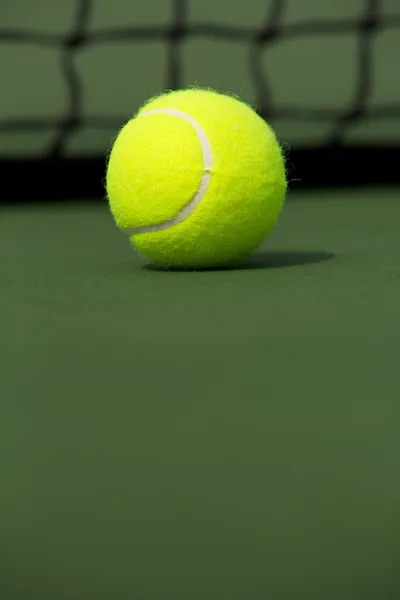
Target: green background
<point>307,68</point>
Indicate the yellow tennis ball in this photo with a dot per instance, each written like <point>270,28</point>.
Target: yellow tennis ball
<point>196,179</point>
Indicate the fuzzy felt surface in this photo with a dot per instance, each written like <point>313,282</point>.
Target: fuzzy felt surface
<point>156,165</point>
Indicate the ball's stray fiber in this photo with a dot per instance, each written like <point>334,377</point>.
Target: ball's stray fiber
<point>196,179</point>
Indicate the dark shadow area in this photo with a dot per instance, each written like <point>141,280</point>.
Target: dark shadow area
<point>289,258</point>
<point>60,178</point>
<point>265,260</point>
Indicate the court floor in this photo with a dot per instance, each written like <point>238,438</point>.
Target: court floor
<point>212,435</point>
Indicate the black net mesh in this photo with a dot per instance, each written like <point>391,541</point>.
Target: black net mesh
<point>54,170</point>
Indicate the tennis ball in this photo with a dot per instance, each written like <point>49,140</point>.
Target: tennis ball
<point>196,179</point>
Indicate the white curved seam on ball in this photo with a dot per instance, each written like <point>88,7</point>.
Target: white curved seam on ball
<point>206,151</point>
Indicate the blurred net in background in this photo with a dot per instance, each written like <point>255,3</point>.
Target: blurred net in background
<point>325,74</point>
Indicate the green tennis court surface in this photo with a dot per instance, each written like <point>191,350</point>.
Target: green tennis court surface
<point>205,435</point>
